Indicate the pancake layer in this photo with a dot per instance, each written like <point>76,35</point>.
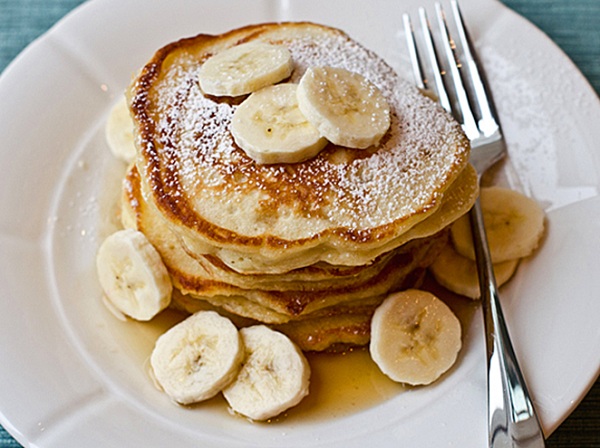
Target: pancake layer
<point>343,207</point>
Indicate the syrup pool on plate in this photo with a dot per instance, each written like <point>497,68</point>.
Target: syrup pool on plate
<point>341,383</point>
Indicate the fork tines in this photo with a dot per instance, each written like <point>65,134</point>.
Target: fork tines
<point>465,94</point>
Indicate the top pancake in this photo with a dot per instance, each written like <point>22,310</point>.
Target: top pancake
<point>344,206</point>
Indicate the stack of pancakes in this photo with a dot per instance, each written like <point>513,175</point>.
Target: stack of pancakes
<point>310,248</point>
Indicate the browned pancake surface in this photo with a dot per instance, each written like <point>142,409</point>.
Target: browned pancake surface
<point>213,194</point>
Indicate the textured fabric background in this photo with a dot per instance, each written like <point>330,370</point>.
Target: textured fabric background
<point>574,25</point>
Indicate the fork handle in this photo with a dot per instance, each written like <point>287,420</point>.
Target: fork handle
<point>512,420</point>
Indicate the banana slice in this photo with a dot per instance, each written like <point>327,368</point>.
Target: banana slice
<point>132,275</point>
<point>245,68</point>
<point>197,358</point>
<point>345,107</point>
<point>514,225</point>
<point>119,132</point>
<point>270,128</point>
<point>274,377</point>
<point>459,274</point>
<point>415,337</point>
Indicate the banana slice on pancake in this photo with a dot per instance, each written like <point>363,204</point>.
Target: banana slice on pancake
<point>275,375</point>
<point>197,358</point>
<point>344,106</point>
<point>270,128</point>
<point>132,275</point>
<point>514,225</point>
<point>415,337</point>
<point>119,132</point>
<point>459,274</point>
<point>244,69</point>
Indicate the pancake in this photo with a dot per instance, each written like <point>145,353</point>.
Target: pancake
<point>142,215</point>
<point>344,207</point>
<point>275,298</point>
<point>333,329</point>
<point>138,214</point>
<point>345,326</point>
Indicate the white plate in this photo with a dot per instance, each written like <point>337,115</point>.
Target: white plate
<point>72,375</point>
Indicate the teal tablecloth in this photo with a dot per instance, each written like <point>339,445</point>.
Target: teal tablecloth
<point>574,25</point>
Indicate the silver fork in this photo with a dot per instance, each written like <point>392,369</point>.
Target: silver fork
<point>461,89</point>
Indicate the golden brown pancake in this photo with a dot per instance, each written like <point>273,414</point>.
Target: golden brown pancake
<point>333,329</point>
<point>279,298</point>
<point>342,207</point>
